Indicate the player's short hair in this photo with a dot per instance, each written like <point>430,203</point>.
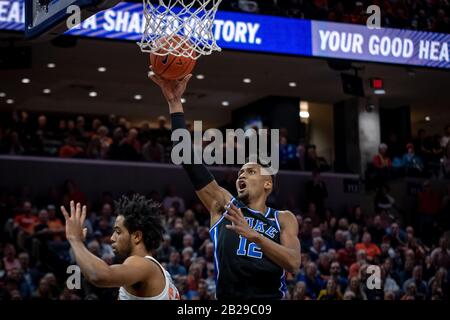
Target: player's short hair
<point>142,215</point>
<point>265,166</point>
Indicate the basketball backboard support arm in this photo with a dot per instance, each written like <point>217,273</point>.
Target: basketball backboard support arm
<point>46,19</point>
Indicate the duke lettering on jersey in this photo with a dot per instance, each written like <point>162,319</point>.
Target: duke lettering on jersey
<point>242,270</point>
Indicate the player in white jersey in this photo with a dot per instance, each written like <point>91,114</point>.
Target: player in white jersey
<point>137,231</point>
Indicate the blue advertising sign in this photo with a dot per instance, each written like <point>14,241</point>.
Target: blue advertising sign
<point>338,40</point>
<point>279,35</point>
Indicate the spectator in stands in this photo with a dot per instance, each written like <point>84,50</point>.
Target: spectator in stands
<point>355,288</point>
<point>389,283</point>
<point>335,273</point>
<point>300,291</point>
<point>129,147</point>
<point>316,192</point>
<point>115,149</point>
<point>446,137</point>
<point>421,286</point>
<point>361,260</point>
<point>384,202</point>
<point>43,291</point>
<point>172,197</point>
<point>188,241</point>
<point>338,242</point>
<point>317,248</point>
<point>23,286</point>
<point>174,267</point>
<point>395,150</point>
<point>81,122</point>
<point>165,250</point>
<point>411,162</point>
<point>441,256</point>
<point>96,124</point>
<point>99,145</point>
<point>14,147</point>
<point>313,161</point>
<point>153,151</point>
<point>62,132</point>
<point>381,161</point>
<point>376,229</point>
<point>177,235</point>
<point>288,154</point>
<point>72,192</point>
<point>371,249</point>
<point>357,216</point>
<point>354,232</point>
<point>70,149</point>
<point>187,256</point>
<point>331,292</point>
<point>347,256</point>
<point>301,153</point>
<point>10,261</point>
<point>429,204</point>
<point>162,133</point>
<point>25,222</point>
<point>312,214</point>
<point>43,129</point>
<point>190,224</point>
<point>73,130</point>
<point>313,281</point>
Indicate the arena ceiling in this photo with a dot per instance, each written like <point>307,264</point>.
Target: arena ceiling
<point>76,74</point>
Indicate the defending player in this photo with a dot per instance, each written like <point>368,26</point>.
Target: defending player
<point>137,231</point>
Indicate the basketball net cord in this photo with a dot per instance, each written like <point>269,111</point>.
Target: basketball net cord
<point>179,27</point>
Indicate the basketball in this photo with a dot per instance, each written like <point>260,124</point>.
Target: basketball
<point>170,66</point>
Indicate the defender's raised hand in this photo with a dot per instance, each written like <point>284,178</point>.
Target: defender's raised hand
<point>74,222</point>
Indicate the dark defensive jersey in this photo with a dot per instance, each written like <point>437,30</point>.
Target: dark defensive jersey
<point>242,270</point>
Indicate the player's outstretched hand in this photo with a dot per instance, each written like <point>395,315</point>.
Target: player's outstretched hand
<point>238,223</point>
<point>74,222</point>
<point>173,90</point>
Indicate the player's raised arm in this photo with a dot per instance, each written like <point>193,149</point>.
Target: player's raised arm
<point>210,193</point>
<point>97,271</point>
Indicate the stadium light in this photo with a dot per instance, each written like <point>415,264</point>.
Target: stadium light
<point>51,65</point>
<point>183,100</point>
<point>26,80</point>
<point>200,77</point>
<point>92,94</point>
<point>2,94</point>
<point>304,114</point>
<point>225,103</point>
<point>9,101</point>
<point>427,119</point>
<point>247,80</point>
<point>46,91</point>
<point>292,84</point>
<point>101,69</point>
<point>137,97</point>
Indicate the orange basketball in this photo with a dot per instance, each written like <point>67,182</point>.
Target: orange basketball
<point>169,66</point>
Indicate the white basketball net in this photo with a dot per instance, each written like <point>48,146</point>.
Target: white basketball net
<point>179,27</point>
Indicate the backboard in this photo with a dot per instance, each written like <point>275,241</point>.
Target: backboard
<point>49,17</point>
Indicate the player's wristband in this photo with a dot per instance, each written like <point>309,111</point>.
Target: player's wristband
<point>198,173</point>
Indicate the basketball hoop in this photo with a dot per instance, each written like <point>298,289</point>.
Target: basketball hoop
<point>190,22</point>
